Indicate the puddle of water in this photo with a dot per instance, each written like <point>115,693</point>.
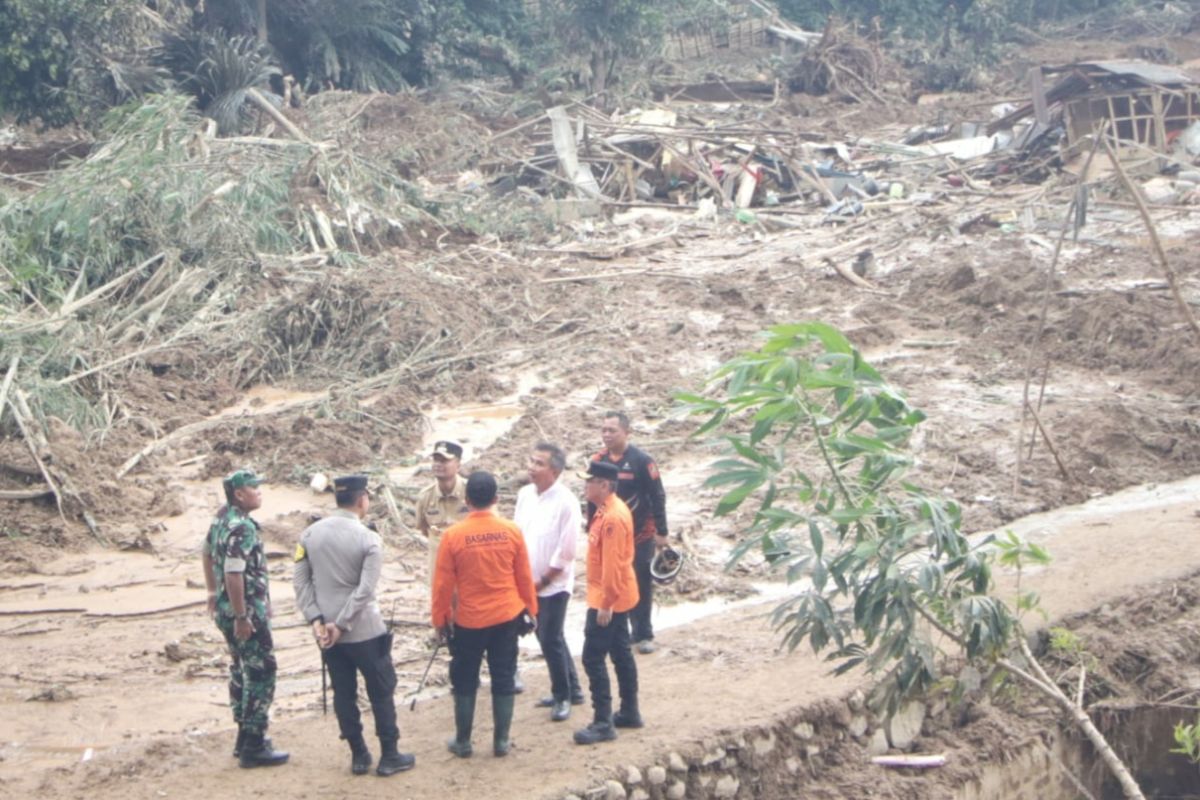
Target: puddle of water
<point>268,398</point>
<point>478,426</point>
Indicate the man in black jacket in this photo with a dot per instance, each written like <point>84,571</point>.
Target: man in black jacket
<point>640,486</point>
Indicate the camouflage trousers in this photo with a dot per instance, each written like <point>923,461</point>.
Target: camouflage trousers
<point>252,670</point>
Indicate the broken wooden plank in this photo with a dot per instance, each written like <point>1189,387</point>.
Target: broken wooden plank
<point>146,613</point>
<point>580,175</point>
<point>29,612</point>
<point>917,761</point>
<point>25,494</point>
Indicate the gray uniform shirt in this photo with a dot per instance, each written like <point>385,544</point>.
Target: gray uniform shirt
<point>338,562</point>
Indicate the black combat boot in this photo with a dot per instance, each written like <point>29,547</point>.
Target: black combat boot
<point>464,720</point>
<point>628,716</point>
<point>360,756</point>
<point>502,715</point>
<point>391,761</point>
<point>598,731</point>
<point>257,752</point>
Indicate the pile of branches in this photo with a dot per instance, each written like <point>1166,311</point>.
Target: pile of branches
<point>841,63</point>
<point>241,260</point>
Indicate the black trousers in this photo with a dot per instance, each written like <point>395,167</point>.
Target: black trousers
<point>609,641</point>
<point>552,615</point>
<point>373,658</point>
<point>639,617</point>
<point>467,651</point>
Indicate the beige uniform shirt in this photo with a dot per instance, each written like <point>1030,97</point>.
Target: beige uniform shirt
<point>436,512</point>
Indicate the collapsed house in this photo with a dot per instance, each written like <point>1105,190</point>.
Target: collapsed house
<point>1150,104</point>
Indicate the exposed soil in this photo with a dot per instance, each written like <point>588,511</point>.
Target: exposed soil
<point>114,681</point>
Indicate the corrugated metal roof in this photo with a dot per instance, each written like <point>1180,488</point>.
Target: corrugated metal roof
<point>1142,70</point>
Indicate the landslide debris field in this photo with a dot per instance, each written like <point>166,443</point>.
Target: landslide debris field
<point>491,313</point>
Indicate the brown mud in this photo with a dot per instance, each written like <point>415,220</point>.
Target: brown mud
<point>112,683</point>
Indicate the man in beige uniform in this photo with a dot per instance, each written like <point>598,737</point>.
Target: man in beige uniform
<point>445,502</point>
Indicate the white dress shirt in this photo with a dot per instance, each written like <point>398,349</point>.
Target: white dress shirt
<point>550,522</point>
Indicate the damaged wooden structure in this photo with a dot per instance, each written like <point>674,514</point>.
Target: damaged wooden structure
<point>1149,104</point>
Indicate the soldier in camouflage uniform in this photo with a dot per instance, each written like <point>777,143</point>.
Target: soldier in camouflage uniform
<point>235,569</point>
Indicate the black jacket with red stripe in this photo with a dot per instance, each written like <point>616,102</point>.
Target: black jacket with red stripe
<point>640,486</point>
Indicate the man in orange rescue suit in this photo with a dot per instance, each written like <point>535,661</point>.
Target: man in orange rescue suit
<point>612,591</point>
<point>640,486</point>
<point>483,559</point>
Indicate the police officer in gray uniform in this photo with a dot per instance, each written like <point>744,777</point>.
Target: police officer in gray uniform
<point>338,562</point>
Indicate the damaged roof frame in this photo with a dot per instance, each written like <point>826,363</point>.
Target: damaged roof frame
<point>1147,103</point>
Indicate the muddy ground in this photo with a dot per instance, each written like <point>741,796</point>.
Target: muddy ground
<point>112,681</point>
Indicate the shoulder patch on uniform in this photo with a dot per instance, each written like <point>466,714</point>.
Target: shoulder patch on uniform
<point>301,554</point>
<point>652,469</point>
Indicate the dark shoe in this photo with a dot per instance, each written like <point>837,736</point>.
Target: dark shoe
<point>258,752</point>
<point>561,711</point>
<point>241,741</point>
<point>595,733</point>
<point>464,721</point>
<point>502,715</point>
<point>627,719</point>
<point>391,763</point>
<point>646,646</point>
<point>360,756</point>
<point>578,700</point>
<point>544,702</point>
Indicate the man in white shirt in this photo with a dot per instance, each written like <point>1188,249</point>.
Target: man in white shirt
<point>549,516</point>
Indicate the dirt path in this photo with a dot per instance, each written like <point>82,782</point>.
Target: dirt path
<point>719,674</point>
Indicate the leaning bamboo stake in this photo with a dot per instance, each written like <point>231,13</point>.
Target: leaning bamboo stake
<point>274,113</point>
<point>1155,243</point>
<point>32,445</point>
<point>1037,422</point>
<point>8,380</point>
<point>1045,312</point>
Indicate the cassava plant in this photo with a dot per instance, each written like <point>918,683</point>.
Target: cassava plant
<point>819,448</point>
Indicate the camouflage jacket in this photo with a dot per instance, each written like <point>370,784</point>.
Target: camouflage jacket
<point>234,541</point>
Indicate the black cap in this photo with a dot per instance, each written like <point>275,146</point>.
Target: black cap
<point>448,449</point>
<point>481,489</point>
<point>601,469</point>
<point>350,483</point>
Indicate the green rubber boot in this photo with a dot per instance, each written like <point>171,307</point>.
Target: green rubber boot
<point>502,714</point>
<point>464,720</point>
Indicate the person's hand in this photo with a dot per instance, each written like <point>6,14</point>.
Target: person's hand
<point>332,634</point>
<point>445,633</point>
<point>320,633</point>
<point>211,605</point>
<point>660,540</point>
<point>242,629</point>
<point>603,617</point>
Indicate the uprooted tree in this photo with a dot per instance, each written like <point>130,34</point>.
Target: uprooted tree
<point>886,578</point>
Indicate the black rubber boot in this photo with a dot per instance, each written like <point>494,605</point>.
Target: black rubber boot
<point>502,715</point>
<point>241,742</point>
<point>391,761</point>
<point>360,756</point>
<point>257,752</point>
<point>464,720</point>
<point>237,745</point>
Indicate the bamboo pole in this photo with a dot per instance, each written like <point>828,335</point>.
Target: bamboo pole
<point>1155,242</point>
